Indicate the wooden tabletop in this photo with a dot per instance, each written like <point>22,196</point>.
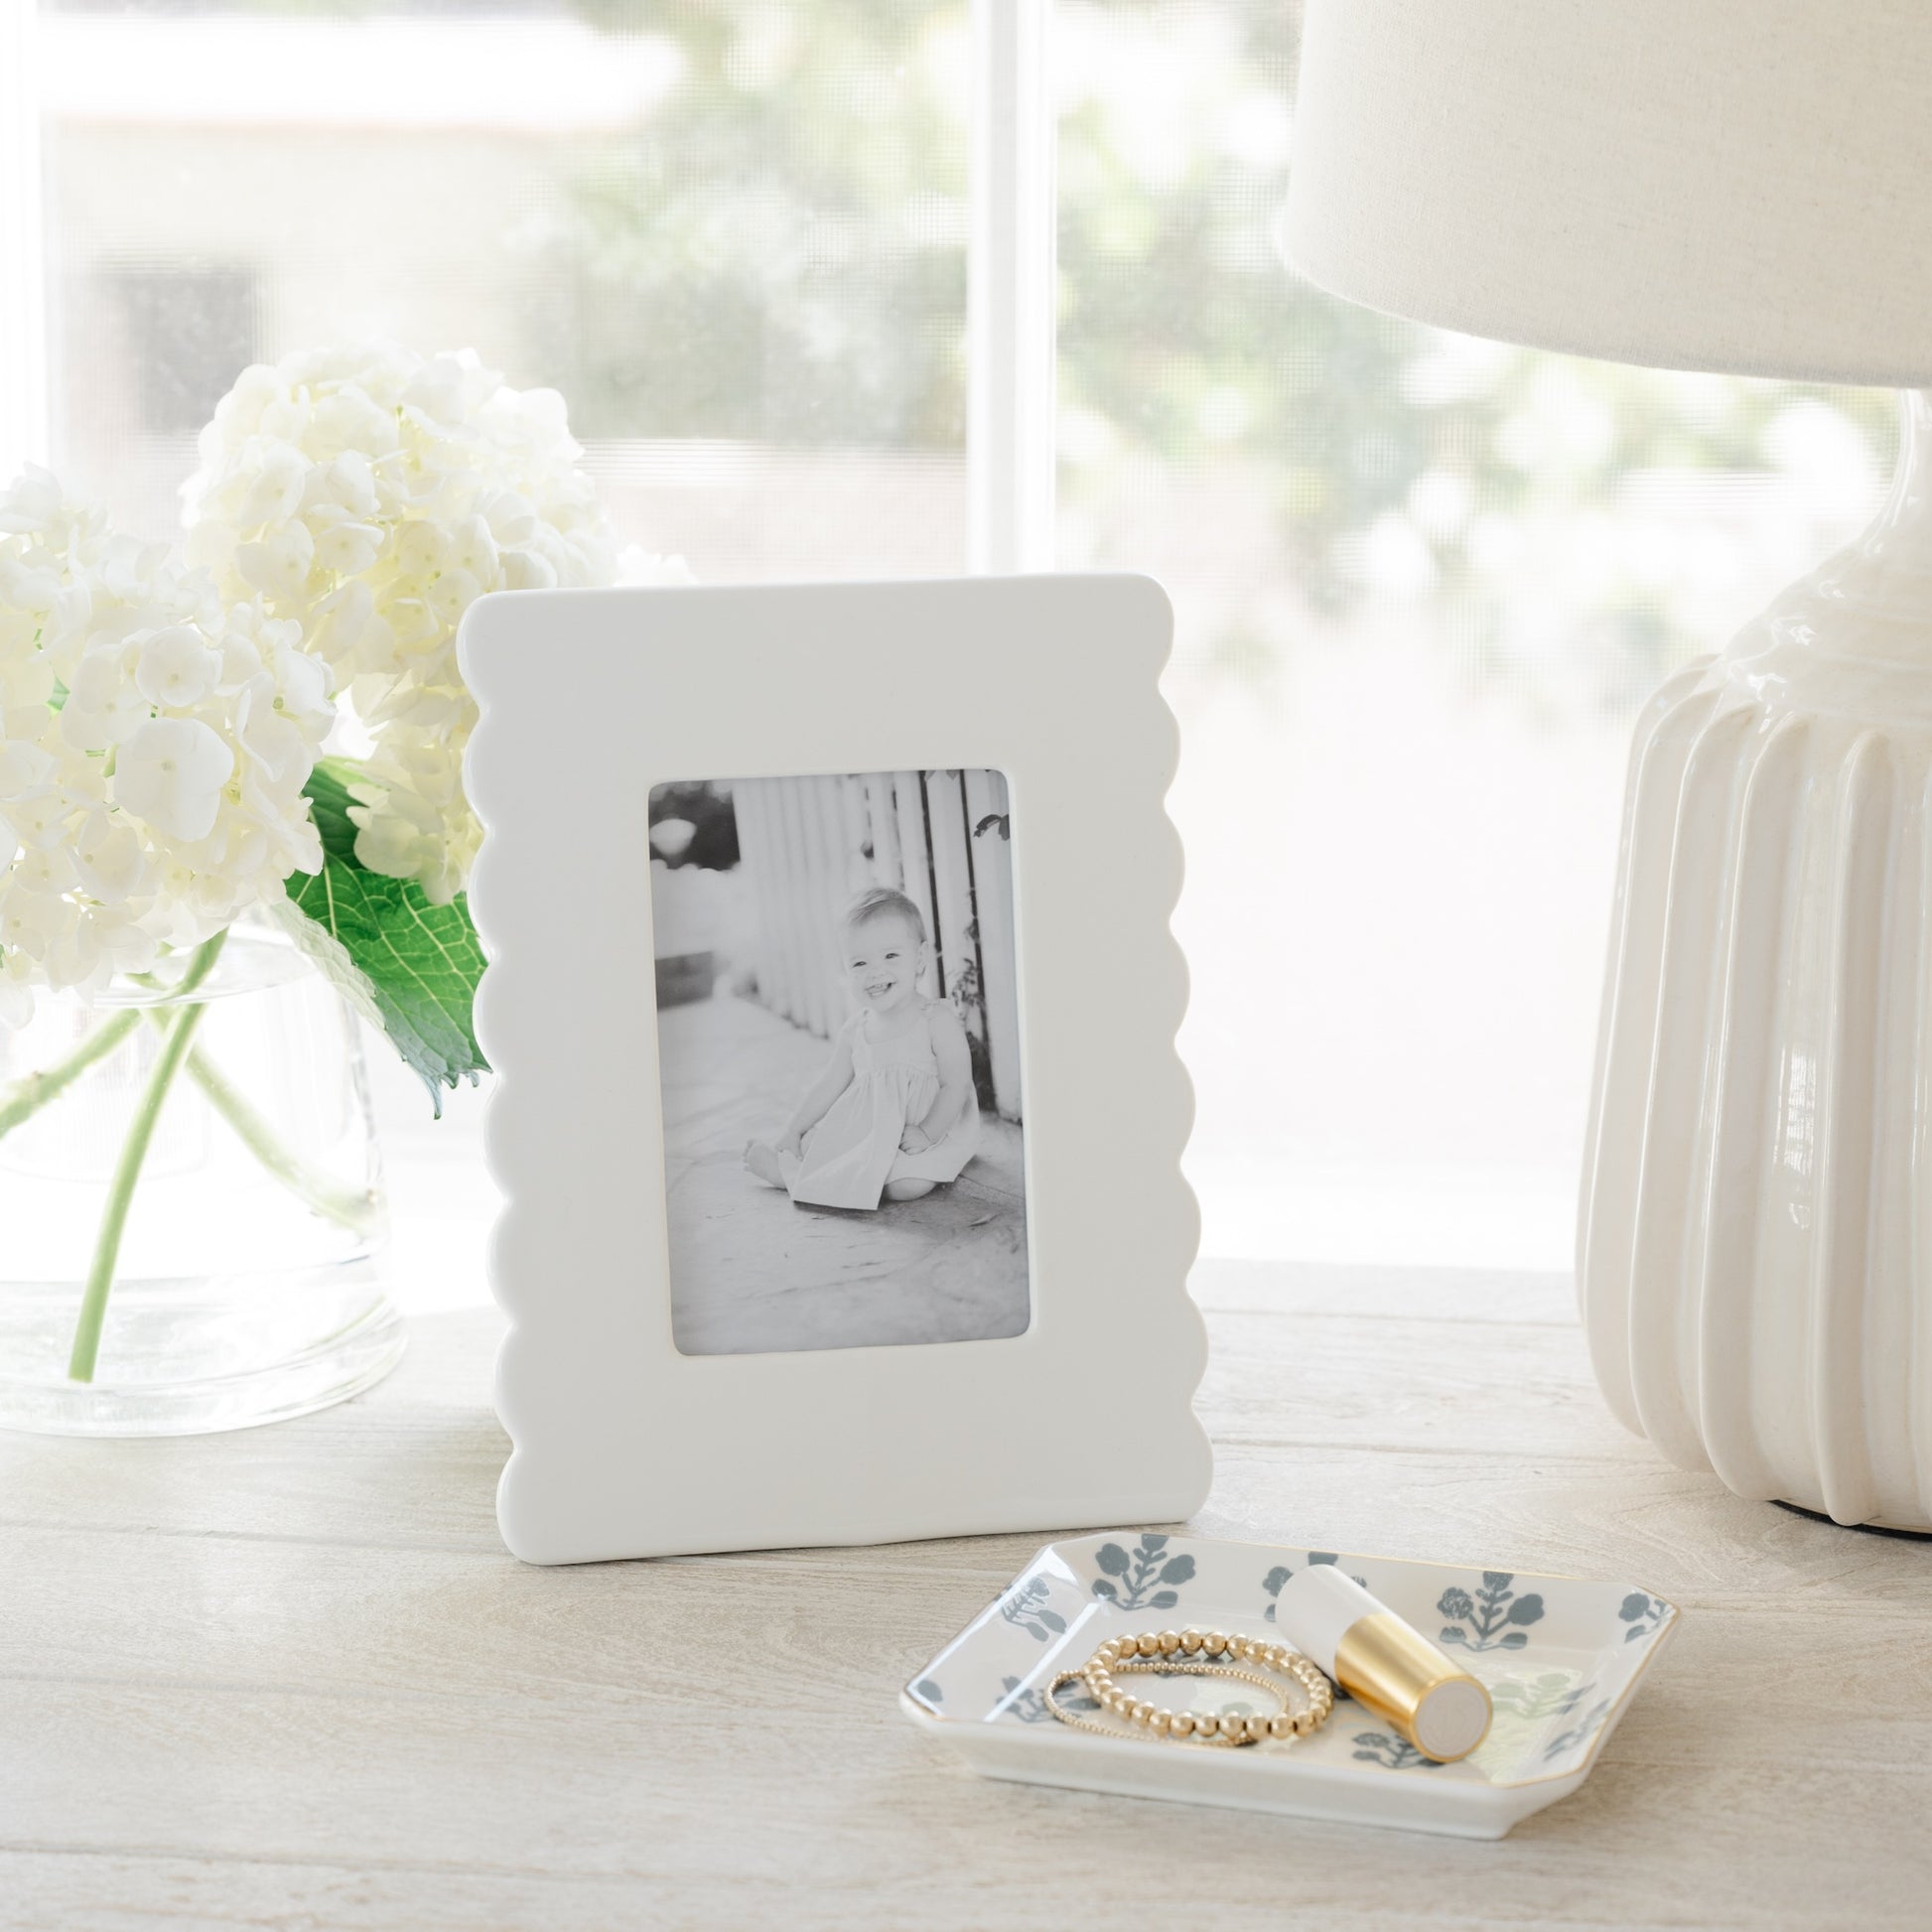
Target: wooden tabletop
<point>290,1678</point>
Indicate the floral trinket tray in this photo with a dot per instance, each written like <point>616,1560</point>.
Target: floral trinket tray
<point>1562,1658</point>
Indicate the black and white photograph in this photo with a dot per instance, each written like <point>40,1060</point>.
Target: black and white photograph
<point>838,1039</point>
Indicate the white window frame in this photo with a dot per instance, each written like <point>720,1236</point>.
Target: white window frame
<point>1010,282</point>
<point>1010,440</point>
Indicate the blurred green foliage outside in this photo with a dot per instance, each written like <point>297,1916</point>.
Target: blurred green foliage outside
<point>778,254</point>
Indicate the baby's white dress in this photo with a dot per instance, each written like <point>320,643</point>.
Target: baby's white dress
<point>854,1150</point>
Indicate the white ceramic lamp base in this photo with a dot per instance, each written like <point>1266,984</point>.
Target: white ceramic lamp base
<point>1754,1252</point>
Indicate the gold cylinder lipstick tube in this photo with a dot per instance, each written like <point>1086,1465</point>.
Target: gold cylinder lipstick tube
<point>1383,1663</point>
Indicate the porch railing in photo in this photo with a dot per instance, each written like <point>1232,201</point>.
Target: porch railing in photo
<point>942,838</point>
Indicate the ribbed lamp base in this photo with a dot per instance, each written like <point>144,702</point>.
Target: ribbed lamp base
<point>1756,1240</point>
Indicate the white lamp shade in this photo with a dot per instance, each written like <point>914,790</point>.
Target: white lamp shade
<point>1735,185</point>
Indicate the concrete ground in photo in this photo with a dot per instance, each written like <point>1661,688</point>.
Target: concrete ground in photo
<point>752,1272</point>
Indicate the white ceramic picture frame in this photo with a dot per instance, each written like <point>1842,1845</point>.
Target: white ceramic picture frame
<point>624,1447</point>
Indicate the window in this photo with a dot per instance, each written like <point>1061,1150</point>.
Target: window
<point>1421,581</point>
<point>732,234</point>
<point>174,332</point>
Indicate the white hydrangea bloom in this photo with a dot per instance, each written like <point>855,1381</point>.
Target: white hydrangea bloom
<point>154,745</point>
<point>372,495</point>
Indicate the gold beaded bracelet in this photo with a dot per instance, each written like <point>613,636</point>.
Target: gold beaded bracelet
<point>1180,1653</point>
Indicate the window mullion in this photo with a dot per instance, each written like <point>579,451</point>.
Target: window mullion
<point>1010,440</point>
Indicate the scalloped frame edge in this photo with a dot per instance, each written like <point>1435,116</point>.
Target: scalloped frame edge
<point>620,1447</point>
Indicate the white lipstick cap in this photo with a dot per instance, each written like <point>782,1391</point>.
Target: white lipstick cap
<point>1317,1606</point>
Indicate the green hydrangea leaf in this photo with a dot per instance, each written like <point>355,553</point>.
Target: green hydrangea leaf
<point>328,802</point>
<point>408,966</point>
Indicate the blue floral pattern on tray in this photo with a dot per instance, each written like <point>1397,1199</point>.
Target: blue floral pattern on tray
<point>1392,1753</point>
<point>1493,1618</point>
<point>1642,1612</point>
<point>1138,1578</point>
<point>1024,1607</point>
<point>1026,1702</point>
<point>1579,1734</point>
<point>1552,1693</point>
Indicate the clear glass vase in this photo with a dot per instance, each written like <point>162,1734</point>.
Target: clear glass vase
<point>192,1217</point>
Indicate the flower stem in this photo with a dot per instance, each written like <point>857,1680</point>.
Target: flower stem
<point>349,1207</point>
<point>32,1091</point>
<point>134,1153</point>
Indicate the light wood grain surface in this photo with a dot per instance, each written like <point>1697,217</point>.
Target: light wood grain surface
<point>289,1678</point>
